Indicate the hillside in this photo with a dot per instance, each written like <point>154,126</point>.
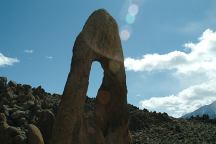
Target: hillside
<point>21,105</point>
<point>209,110</point>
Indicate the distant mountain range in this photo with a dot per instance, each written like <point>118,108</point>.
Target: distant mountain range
<point>209,110</point>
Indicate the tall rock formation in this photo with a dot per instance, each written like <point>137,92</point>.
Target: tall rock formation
<point>108,124</point>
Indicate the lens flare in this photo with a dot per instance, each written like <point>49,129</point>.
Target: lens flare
<point>114,66</point>
<point>130,19</point>
<point>129,13</point>
<point>133,9</point>
<point>125,34</point>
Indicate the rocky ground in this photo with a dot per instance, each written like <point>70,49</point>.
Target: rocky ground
<point>25,110</point>
<point>158,128</point>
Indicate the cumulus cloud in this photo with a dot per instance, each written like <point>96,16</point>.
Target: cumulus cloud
<point>200,61</point>
<point>185,101</point>
<point>202,57</point>
<point>4,60</point>
<point>152,62</point>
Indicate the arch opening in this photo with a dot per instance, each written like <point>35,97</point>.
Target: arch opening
<point>95,79</point>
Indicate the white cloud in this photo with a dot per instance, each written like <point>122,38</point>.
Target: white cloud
<point>4,60</point>
<point>29,51</point>
<point>152,62</point>
<point>185,101</point>
<point>49,57</point>
<point>198,63</point>
<point>201,58</point>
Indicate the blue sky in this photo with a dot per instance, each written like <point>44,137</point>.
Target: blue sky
<point>166,70</point>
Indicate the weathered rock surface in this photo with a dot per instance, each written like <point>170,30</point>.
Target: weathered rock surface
<point>108,124</point>
<point>21,105</point>
<point>10,134</point>
<point>45,123</point>
<point>3,82</point>
<point>34,135</point>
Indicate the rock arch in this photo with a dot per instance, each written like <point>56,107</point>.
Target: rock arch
<point>98,41</point>
<point>95,79</point>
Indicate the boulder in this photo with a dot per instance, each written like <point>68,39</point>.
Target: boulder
<point>3,118</point>
<point>45,123</point>
<point>12,135</point>
<point>27,88</point>
<point>22,98</point>
<point>12,84</point>
<point>13,131</point>
<point>3,128</point>
<point>28,104</point>
<point>19,139</point>
<point>34,135</point>
<point>3,82</point>
<point>39,91</point>
<point>18,114</point>
<point>98,41</point>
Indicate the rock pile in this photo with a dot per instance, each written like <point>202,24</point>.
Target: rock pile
<point>23,111</point>
<point>145,127</point>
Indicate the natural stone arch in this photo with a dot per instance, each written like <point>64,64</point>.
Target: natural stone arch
<point>95,79</point>
<point>98,41</point>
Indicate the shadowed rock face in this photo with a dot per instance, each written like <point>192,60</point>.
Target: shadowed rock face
<point>108,124</point>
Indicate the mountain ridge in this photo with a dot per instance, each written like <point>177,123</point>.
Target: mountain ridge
<point>209,110</point>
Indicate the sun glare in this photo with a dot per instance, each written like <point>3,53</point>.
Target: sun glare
<point>131,12</point>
